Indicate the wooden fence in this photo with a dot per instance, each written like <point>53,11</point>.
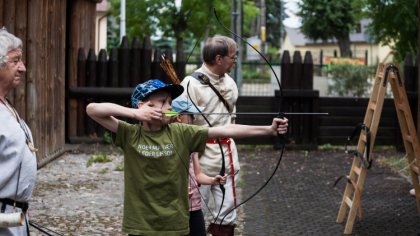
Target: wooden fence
<point>98,81</point>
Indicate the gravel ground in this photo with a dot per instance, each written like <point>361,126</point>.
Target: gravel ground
<point>73,199</point>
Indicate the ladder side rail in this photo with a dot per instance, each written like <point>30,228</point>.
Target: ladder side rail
<point>371,107</point>
<point>372,122</point>
<point>408,132</point>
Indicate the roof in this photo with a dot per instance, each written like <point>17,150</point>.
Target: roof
<point>297,38</point>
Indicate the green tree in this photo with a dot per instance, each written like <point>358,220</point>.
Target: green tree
<point>394,23</point>
<point>327,19</point>
<point>186,22</point>
<point>275,17</point>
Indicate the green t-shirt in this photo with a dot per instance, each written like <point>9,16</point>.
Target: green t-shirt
<point>156,176</point>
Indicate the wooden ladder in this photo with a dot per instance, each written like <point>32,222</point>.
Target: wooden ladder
<point>385,74</point>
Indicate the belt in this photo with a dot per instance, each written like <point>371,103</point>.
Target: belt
<point>226,141</point>
<point>22,205</point>
<point>222,141</point>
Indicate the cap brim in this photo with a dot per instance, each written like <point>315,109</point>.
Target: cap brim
<point>174,89</point>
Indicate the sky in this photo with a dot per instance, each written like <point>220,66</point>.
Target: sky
<point>291,7</point>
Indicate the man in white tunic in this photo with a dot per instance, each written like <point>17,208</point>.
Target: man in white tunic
<point>211,87</point>
<point>17,153</point>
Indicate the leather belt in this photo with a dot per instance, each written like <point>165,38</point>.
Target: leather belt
<point>22,205</point>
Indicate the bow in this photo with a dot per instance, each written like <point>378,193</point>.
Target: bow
<point>223,168</point>
<point>282,139</point>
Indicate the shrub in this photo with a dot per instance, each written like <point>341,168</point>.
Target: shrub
<point>351,80</point>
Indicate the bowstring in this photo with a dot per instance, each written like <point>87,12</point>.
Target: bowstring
<point>223,168</point>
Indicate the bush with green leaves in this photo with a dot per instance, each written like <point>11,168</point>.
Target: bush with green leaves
<point>351,80</point>
<point>254,72</point>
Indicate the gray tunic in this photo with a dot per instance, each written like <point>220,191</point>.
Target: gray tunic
<point>13,151</point>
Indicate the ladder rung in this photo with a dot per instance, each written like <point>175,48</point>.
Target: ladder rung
<point>348,201</point>
<point>372,106</point>
<point>408,138</point>
<point>356,170</point>
<point>415,169</point>
<point>400,106</point>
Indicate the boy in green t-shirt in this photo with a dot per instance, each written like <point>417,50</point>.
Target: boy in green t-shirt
<point>155,150</point>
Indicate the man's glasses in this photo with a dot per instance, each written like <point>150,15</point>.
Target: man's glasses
<point>234,57</point>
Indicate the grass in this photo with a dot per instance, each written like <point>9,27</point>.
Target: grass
<point>397,164</point>
<point>119,167</point>
<point>98,158</point>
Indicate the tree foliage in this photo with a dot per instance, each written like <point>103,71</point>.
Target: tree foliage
<point>394,23</point>
<point>326,19</point>
<point>275,16</point>
<point>192,20</point>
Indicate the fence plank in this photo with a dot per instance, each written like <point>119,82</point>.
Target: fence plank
<point>90,82</point>
<point>146,60</point>
<point>102,69</point>
<point>157,72</point>
<point>286,71</point>
<point>308,72</point>
<point>81,82</point>
<point>113,68</point>
<point>135,62</point>
<point>297,70</point>
<point>124,63</point>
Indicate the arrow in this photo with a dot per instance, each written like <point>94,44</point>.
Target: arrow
<point>174,113</point>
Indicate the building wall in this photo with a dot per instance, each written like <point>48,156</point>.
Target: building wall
<point>376,52</point>
<point>101,25</point>
<point>100,31</point>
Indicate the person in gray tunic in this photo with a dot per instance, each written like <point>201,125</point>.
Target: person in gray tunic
<point>17,152</point>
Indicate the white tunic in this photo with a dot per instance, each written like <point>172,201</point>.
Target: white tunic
<point>203,95</point>
<point>13,151</point>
